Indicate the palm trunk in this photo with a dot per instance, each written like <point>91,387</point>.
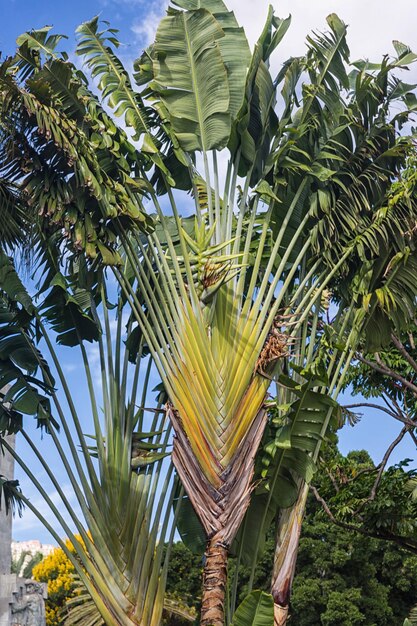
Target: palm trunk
<point>214,583</point>
<point>285,559</point>
<point>220,509</point>
<point>280,615</point>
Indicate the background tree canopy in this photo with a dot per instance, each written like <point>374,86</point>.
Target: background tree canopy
<point>342,578</point>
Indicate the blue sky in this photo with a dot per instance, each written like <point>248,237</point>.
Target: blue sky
<point>372,26</point>
<point>16,17</point>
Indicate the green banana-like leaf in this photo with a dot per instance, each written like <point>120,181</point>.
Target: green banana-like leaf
<point>285,456</point>
<point>10,421</point>
<point>188,525</point>
<point>390,298</point>
<point>67,314</point>
<point>257,609</point>
<point>32,45</point>
<point>326,62</point>
<point>88,170</point>
<point>20,360</point>
<point>13,219</point>
<point>22,393</point>
<point>191,79</point>
<point>234,47</point>
<point>257,122</point>
<point>114,82</point>
<point>65,81</point>
<point>412,618</point>
<point>297,432</point>
<point>40,40</point>
<point>261,513</point>
<point>11,284</point>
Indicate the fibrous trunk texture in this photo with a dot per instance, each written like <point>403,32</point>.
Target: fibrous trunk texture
<point>280,615</point>
<point>220,509</point>
<point>214,583</point>
<point>285,559</point>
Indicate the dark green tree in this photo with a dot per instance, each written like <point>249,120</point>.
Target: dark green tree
<point>344,577</point>
<point>371,500</point>
<point>360,569</point>
<point>184,574</point>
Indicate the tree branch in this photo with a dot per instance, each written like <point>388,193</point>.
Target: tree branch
<point>365,470</point>
<point>332,479</point>
<point>381,468</point>
<point>407,544</point>
<point>382,368</point>
<point>401,348</point>
<point>396,415</point>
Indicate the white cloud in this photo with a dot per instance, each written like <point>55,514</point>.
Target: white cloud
<point>93,356</point>
<point>372,25</point>
<point>145,27</point>
<point>70,367</point>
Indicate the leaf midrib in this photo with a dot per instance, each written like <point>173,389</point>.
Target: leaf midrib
<point>121,79</point>
<point>194,83</point>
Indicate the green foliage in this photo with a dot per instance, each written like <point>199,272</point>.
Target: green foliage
<point>25,377</point>
<point>183,587</point>
<point>295,428</point>
<point>205,105</point>
<point>342,609</point>
<point>341,574</point>
<point>65,143</point>
<point>390,514</point>
<point>10,495</point>
<point>24,565</point>
<point>257,609</point>
<point>184,574</point>
<point>57,571</point>
<point>68,311</point>
<point>372,384</point>
<point>222,310</point>
<point>389,374</point>
<point>189,526</point>
<point>11,284</point>
<point>342,577</point>
<point>113,80</point>
<point>256,121</point>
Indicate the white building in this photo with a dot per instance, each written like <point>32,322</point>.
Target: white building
<point>33,547</point>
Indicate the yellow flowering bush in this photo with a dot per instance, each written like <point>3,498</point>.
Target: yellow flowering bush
<point>56,570</point>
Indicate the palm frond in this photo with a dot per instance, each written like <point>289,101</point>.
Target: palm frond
<point>10,494</point>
